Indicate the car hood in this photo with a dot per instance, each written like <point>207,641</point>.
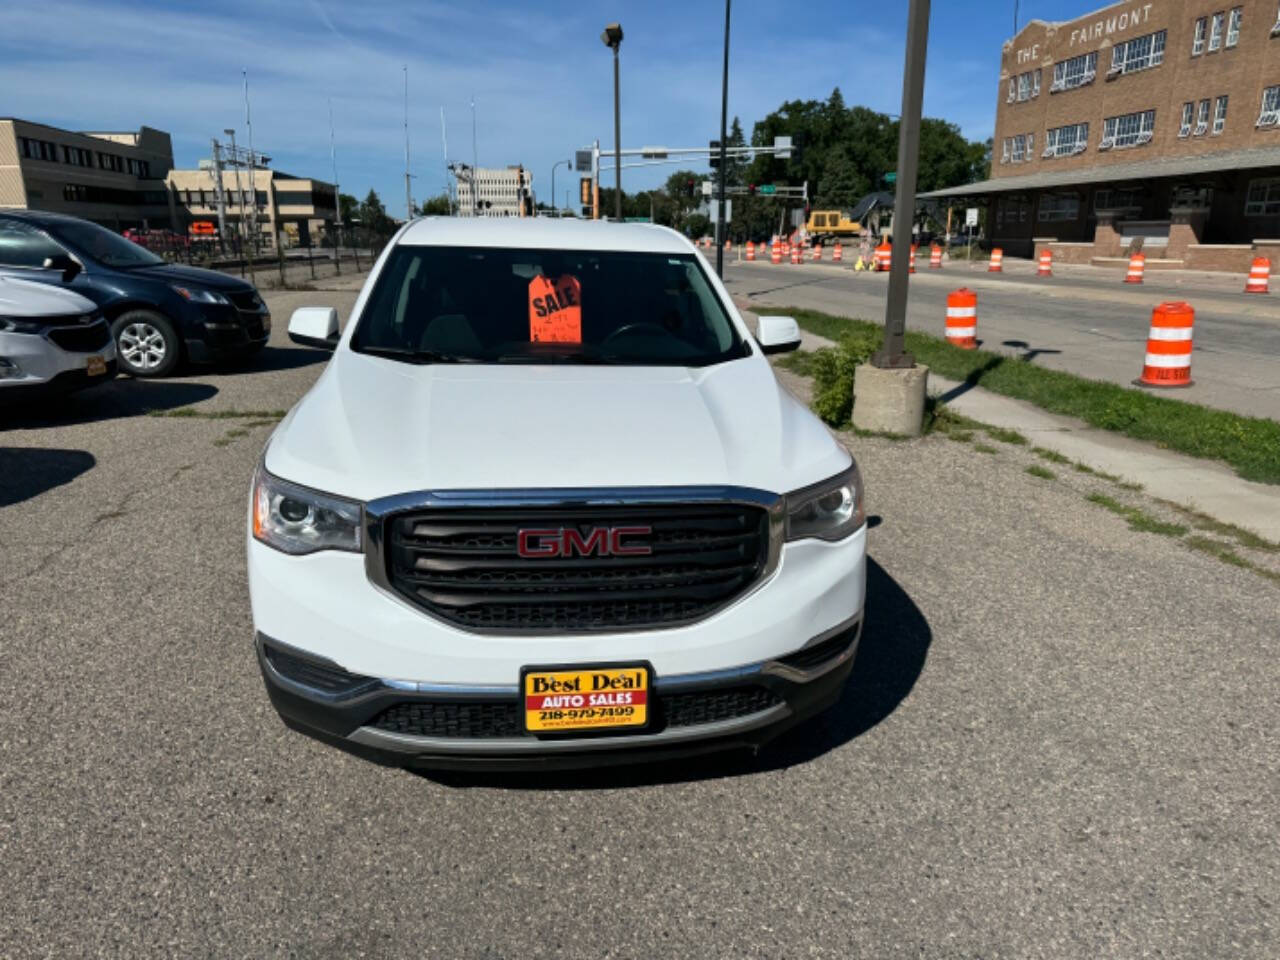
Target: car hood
<point>372,427</point>
<point>30,298</point>
<point>177,273</point>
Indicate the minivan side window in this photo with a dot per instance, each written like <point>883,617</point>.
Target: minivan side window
<point>24,246</point>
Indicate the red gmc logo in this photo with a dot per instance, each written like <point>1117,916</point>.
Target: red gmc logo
<point>568,542</point>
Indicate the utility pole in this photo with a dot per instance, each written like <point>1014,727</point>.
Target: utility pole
<point>253,167</point>
<point>475,162</point>
<point>444,154</point>
<point>337,196</point>
<point>892,355</point>
<point>218,197</point>
<point>612,38</point>
<point>408,194</point>
<point>724,115</point>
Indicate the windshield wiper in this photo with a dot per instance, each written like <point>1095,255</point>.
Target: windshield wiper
<point>406,355</point>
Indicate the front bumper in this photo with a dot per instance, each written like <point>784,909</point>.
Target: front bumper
<point>46,368</point>
<point>478,728</point>
<point>221,332</point>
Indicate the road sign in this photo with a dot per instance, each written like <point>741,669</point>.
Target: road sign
<point>768,189</point>
<point>582,161</point>
<point>891,177</point>
<point>971,216</point>
<point>782,148</point>
<point>706,188</point>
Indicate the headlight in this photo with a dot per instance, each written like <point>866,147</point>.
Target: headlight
<point>15,325</point>
<point>830,510</point>
<point>296,520</point>
<point>198,294</point>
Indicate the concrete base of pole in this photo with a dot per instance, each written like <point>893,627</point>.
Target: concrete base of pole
<point>889,401</point>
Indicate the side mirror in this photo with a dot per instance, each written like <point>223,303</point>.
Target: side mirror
<point>69,267</point>
<point>314,327</point>
<point>777,334</point>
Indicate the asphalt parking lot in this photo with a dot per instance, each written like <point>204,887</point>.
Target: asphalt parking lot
<point>1059,739</point>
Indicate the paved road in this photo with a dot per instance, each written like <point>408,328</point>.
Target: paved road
<point>1059,741</point>
<point>1083,323</point>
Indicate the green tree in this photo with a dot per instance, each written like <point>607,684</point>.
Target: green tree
<point>374,219</point>
<point>349,206</point>
<point>697,225</point>
<point>437,206</point>
<point>735,169</point>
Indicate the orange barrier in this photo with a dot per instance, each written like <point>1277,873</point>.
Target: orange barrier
<point>775,251</point>
<point>1137,266</point>
<point>935,257</point>
<point>837,255</point>
<point>911,260</point>
<point>962,319</point>
<point>1259,274</point>
<point>996,265</point>
<point>797,255</point>
<point>1168,360</point>
<point>751,250</point>
<point>884,257</point>
<point>1046,264</point>
<point>817,252</point>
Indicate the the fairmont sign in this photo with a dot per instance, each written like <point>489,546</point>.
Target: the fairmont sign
<point>1105,27</point>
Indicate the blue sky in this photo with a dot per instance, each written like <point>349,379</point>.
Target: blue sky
<point>541,78</point>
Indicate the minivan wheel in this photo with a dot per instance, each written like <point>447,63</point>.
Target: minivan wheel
<point>146,344</point>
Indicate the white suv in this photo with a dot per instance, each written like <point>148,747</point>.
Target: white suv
<point>547,504</point>
<point>51,340</point>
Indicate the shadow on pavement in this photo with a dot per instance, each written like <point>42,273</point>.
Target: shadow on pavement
<point>122,397</point>
<point>895,643</point>
<point>27,472</point>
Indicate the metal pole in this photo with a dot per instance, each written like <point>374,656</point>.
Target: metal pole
<point>617,139</point>
<point>235,162</point>
<point>892,354</point>
<point>337,198</point>
<point>724,116</point>
<point>253,180</point>
<point>408,195</point>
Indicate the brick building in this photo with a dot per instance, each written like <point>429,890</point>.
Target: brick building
<point>1152,124</point>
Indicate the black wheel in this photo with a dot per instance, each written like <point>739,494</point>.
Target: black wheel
<point>146,344</point>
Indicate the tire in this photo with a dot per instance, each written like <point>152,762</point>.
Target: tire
<point>146,344</point>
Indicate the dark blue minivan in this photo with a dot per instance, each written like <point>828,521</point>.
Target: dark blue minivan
<point>160,313</point>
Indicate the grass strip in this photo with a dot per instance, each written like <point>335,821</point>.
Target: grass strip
<point>1038,471</point>
<point>192,413</point>
<point>1244,538</point>
<point>1251,445</point>
<point>1053,456</point>
<point>1138,519</point>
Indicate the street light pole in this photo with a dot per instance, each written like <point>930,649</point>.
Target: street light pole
<point>612,38</point>
<point>553,179</point>
<point>892,354</point>
<point>724,115</point>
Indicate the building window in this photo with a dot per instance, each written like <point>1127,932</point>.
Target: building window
<point>1138,53</point>
<point>1215,32</point>
<point>1058,206</point>
<point>77,156</point>
<point>1263,199</point>
<point>1129,130</point>
<point>1219,115</point>
<point>1035,84</point>
<point>1004,152</point>
<point>1188,110</point>
<point>1019,153</point>
<point>1233,26</point>
<point>1202,119</point>
<point>1075,72</point>
<point>1122,198</point>
<point>1270,115</point>
<point>1197,44</point>
<point>34,149</point>
<point>1066,141</point>
<point>1024,86</point>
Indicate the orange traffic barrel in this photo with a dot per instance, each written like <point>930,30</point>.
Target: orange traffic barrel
<point>837,254</point>
<point>884,257</point>
<point>996,264</point>
<point>1259,274</point>
<point>935,257</point>
<point>911,260</point>
<point>1137,266</point>
<point>817,251</point>
<point>1046,263</point>
<point>775,251</point>
<point>797,255</point>
<point>1168,360</point>
<point>751,250</point>
<point>962,319</point>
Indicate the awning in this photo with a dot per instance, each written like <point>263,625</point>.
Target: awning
<point>1259,157</point>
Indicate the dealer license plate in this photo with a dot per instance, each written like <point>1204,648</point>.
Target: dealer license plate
<point>95,366</point>
<point>575,699</point>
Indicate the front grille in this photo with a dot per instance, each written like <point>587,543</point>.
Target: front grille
<point>501,718</point>
<point>82,339</point>
<point>246,300</point>
<point>462,565</point>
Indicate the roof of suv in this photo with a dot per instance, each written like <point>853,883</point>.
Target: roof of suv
<point>543,233</point>
<point>40,216</point>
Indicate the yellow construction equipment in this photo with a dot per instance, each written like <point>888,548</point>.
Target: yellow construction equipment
<point>831,225</point>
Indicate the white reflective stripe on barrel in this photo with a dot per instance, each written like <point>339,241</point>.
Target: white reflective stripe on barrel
<point>962,311</point>
<point>1168,360</point>
<point>1169,333</point>
<point>957,332</point>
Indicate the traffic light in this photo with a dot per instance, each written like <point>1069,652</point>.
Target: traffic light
<point>751,189</point>
<point>584,191</point>
<point>715,153</point>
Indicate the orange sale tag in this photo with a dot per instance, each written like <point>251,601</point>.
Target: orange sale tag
<point>555,310</point>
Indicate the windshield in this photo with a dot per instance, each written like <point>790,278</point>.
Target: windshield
<point>489,305</point>
<point>100,244</point>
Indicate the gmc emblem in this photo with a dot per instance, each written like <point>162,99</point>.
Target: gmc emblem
<point>567,542</point>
